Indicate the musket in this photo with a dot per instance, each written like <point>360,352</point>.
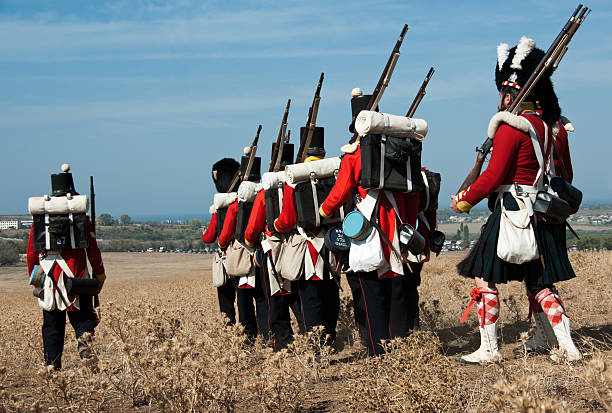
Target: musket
<point>385,77</point>
<point>280,151</point>
<point>420,95</point>
<point>551,58</point>
<point>250,151</point>
<point>92,218</point>
<point>92,197</point>
<point>311,122</point>
<point>277,154</point>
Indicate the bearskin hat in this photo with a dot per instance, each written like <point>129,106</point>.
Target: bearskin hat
<point>222,173</point>
<point>515,66</point>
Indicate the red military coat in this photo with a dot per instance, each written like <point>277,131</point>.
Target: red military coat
<point>210,234</point>
<point>76,258</point>
<point>229,226</point>
<point>257,220</point>
<point>347,183</point>
<point>513,159</point>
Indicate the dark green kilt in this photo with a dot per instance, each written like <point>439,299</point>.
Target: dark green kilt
<point>482,260</point>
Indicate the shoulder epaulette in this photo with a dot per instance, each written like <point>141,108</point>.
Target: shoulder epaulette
<point>517,122</point>
<point>350,147</point>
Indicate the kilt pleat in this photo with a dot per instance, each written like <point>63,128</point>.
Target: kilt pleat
<point>482,260</point>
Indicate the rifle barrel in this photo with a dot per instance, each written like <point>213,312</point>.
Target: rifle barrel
<point>310,122</point>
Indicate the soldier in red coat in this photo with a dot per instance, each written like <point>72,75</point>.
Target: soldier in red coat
<point>253,300</point>
<point>317,289</point>
<point>223,172</point>
<point>284,295</point>
<point>520,166</point>
<point>373,290</point>
<point>59,264</point>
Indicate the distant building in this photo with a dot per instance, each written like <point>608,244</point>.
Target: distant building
<point>15,221</point>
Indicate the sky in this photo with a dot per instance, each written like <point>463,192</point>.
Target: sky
<point>145,95</point>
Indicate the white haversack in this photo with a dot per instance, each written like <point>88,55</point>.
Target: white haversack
<point>370,122</point>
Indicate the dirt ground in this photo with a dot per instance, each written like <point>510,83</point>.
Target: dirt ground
<point>152,296</point>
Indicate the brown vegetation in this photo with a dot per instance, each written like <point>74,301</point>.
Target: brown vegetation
<point>162,347</point>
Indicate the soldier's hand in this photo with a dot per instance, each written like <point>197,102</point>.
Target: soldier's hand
<point>100,285</point>
<point>453,204</point>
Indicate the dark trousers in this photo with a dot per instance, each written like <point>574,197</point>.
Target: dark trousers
<point>280,320</point>
<point>253,308</point>
<point>320,305</point>
<point>227,297</point>
<point>372,307</point>
<point>404,314</point>
<point>54,328</point>
<point>295,304</point>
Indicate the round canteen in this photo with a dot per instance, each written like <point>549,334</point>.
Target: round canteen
<point>356,226</point>
<point>337,241</point>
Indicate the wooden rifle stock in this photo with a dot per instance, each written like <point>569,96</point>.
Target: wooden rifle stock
<point>420,95</point>
<point>278,146</point>
<point>311,122</point>
<point>552,57</point>
<point>385,77</point>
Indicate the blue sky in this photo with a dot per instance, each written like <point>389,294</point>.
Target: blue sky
<point>145,95</point>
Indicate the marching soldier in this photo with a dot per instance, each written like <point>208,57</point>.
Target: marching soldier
<point>520,159</point>
<point>253,301</point>
<point>373,290</point>
<point>285,295</point>
<point>222,173</point>
<point>58,250</point>
<point>318,290</point>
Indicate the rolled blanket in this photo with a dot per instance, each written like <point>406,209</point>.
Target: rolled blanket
<point>273,179</point>
<point>247,191</point>
<point>369,122</point>
<point>322,169</point>
<point>76,204</point>
<point>223,200</point>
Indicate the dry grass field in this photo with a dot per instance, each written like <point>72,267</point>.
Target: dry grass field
<point>163,347</point>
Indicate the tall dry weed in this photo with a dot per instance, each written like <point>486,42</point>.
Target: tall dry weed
<point>412,375</point>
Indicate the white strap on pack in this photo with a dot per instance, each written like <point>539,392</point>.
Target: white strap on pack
<point>47,234</point>
<point>426,182</point>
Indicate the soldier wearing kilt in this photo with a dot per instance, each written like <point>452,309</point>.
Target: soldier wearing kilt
<point>513,177</point>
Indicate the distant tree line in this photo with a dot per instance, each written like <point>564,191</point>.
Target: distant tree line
<point>591,242</point>
<point>10,250</point>
<point>108,220</point>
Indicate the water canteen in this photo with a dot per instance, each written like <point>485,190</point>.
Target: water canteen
<point>356,226</point>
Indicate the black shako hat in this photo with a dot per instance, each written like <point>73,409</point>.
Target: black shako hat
<point>222,173</point>
<point>287,155</point>
<point>255,175</point>
<point>515,66</point>
<point>62,183</point>
<point>317,143</point>
<point>359,102</point>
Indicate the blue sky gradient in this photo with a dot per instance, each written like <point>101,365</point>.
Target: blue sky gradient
<point>146,95</point>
